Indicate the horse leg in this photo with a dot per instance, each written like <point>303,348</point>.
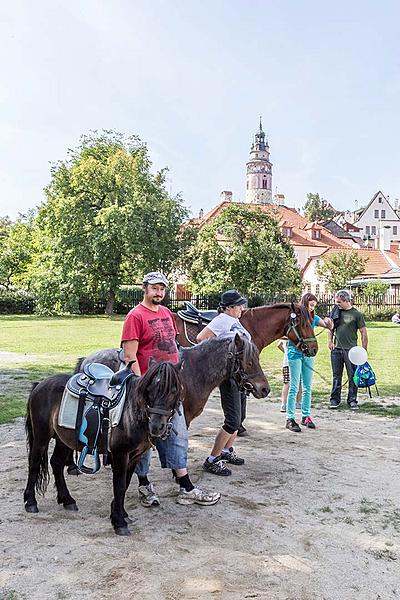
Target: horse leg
<point>120,472</point>
<point>37,475</point>
<point>58,461</point>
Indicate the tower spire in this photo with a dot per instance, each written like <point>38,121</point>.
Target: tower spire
<point>260,124</point>
<point>259,170</point>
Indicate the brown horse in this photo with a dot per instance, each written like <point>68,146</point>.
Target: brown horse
<point>204,367</point>
<point>149,406</point>
<point>265,325</point>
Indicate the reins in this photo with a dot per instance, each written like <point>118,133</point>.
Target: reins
<point>301,342</point>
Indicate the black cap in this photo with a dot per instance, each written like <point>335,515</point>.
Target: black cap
<point>232,298</point>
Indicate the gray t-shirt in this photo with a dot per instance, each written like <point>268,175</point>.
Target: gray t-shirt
<point>223,324</point>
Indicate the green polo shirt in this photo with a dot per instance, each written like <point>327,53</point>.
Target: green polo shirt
<point>349,323</point>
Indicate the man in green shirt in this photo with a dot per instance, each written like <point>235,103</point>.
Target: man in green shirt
<point>344,337</point>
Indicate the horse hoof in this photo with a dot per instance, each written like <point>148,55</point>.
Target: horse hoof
<point>72,507</point>
<point>128,520</point>
<point>73,470</point>
<point>31,508</point>
<point>122,531</point>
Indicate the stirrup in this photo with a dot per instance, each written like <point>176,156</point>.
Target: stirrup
<point>96,461</point>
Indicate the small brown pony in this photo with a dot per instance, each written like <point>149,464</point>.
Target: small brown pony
<point>204,367</point>
<point>265,325</point>
<point>150,404</point>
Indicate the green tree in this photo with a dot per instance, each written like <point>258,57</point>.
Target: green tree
<point>339,268</point>
<point>107,219</point>
<point>16,251</point>
<point>317,209</point>
<point>243,249</point>
<point>374,290</point>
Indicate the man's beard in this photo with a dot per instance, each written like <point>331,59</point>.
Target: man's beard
<point>156,300</point>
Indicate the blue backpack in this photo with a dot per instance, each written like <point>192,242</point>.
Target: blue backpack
<point>364,377</point>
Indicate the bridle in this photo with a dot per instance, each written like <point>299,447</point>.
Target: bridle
<point>154,410</point>
<point>237,371</point>
<point>301,343</point>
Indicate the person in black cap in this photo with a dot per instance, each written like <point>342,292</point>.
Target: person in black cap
<point>227,321</point>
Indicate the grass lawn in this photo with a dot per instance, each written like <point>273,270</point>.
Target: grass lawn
<point>47,345</point>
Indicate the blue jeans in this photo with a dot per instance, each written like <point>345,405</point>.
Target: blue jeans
<point>172,452</point>
<point>301,369</point>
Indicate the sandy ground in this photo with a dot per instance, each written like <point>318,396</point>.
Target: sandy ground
<point>311,516</point>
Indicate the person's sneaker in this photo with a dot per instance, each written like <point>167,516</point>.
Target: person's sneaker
<point>354,406</point>
<point>198,496</point>
<point>217,467</point>
<point>283,407</point>
<point>148,496</point>
<point>292,425</point>
<point>242,432</point>
<point>308,422</point>
<point>231,457</point>
<point>334,405</point>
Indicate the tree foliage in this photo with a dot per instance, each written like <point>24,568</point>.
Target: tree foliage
<point>375,290</point>
<point>243,249</point>
<point>107,219</point>
<point>317,209</point>
<point>339,268</point>
<point>16,251</point>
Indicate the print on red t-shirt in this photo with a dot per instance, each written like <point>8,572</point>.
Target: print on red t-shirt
<point>155,332</point>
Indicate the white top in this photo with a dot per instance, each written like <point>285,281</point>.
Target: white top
<point>223,324</point>
<point>285,360</point>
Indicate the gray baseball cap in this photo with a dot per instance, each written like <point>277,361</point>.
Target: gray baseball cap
<point>155,277</point>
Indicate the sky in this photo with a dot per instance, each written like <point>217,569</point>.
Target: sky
<point>191,79</point>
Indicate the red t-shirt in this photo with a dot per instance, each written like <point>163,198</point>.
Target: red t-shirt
<point>155,332</point>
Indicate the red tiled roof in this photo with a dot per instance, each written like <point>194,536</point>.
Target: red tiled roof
<point>376,263</point>
<point>282,214</point>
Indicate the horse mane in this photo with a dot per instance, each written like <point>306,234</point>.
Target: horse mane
<point>303,312</point>
<point>168,378</point>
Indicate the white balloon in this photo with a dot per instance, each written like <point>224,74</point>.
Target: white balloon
<point>358,355</point>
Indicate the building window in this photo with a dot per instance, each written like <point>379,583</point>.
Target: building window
<point>287,232</point>
<point>383,214</point>
<point>373,230</point>
<point>394,229</point>
<point>376,214</point>
<point>316,289</point>
<point>380,200</point>
<point>316,234</point>
<point>367,230</point>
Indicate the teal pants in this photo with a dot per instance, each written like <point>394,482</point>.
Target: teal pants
<point>300,369</point>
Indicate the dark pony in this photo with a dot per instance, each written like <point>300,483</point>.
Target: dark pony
<point>149,406</point>
<point>204,367</point>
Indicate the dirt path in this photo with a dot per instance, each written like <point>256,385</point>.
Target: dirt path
<point>312,516</point>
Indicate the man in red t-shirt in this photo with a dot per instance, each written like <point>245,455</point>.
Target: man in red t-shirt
<point>149,332</point>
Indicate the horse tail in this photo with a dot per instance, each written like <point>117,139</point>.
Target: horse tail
<point>79,364</point>
<point>43,475</point>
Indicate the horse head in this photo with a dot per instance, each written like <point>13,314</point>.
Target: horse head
<point>162,391</point>
<point>300,331</point>
<point>246,368</point>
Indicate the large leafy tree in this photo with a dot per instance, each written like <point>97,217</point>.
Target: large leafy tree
<point>317,209</point>
<point>244,249</point>
<point>16,250</point>
<point>107,219</point>
<point>339,268</point>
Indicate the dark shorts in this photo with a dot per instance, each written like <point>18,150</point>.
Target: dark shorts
<point>231,402</point>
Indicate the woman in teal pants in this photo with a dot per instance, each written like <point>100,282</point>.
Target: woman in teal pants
<point>301,370</point>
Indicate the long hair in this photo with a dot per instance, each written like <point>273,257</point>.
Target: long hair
<point>305,301</point>
<point>168,378</point>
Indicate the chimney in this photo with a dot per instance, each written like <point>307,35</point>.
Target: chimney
<point>355,204</point>
<point>396,203</point>
<point>226,196</point>
<point>201,213</point>
<point>384,238</point>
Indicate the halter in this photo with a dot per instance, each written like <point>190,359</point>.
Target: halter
<point>150,410</point>
<point>237,371</point>
<point>301,342</point>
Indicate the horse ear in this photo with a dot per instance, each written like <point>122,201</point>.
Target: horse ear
<point>239,342</point>
<point>179,365</point>
<point>152,361</point>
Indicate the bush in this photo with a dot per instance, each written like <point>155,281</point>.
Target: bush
<point>16,302</point>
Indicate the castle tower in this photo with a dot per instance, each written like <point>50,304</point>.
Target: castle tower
<point>259,171</point>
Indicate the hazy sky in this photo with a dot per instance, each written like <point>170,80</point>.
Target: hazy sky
<point>191,79</point>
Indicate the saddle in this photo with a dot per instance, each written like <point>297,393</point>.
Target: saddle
<point>193,315</point>
<point>104,389</point>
